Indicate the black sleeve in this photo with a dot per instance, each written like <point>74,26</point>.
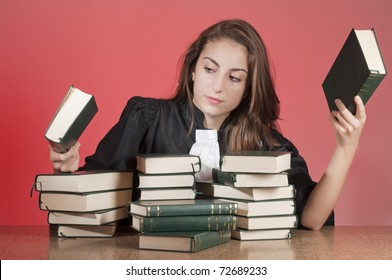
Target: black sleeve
<point>118,149</point>
<point>299,177</point>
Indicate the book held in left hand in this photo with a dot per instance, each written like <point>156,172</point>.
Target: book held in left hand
<point>72,117</point>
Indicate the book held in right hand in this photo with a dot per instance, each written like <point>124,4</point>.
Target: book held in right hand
<point>357,70</point>
<point>72,117</point>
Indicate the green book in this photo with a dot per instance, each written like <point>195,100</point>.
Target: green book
<point>357,70</point>
<point>185,207</point>
<point>184,223</point>
<point>167,163</point>
<point>256,162</point>
<point>250,180</point>
<point>70,120</point>
<point>183,241</point>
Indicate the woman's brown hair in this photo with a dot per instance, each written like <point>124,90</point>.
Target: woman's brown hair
<point>253,120</point>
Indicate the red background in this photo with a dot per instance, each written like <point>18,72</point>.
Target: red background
<point>118,49</point>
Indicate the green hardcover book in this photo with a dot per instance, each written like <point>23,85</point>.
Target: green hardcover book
<point>256,161</point>
<point>167,163</point>
<point>193,241</point>
<point>357,70</point>
<point>184,223</point>
<point>186,207</point>
<point>250,180</point>
<point>72,117</point>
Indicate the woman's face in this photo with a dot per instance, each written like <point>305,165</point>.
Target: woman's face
<point>219,80</point>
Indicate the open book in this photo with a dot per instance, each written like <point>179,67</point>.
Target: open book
<point>72,117</point>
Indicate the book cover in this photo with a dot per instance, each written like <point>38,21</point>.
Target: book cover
<point>264,234</point>
<point>250,180</point>
<point>84,202</point>
<point>256,162</point>
<point>167,163</point>
<point>193,241</point>
<point>184,223</point>
<point>187,207</point>
<point>83,181</point>
<point>357,70</point>
<point>88,218</point>
<point>267,222</point>
<point>252,194</point>
<point>71,118</point>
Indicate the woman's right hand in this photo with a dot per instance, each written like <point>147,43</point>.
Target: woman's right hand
<point>65,162</point>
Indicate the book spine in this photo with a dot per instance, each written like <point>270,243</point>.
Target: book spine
<point>80,124</point>
<point>188,223</point>
<point>225,178</point>
<point>209,239</point>
<point>188,210</point>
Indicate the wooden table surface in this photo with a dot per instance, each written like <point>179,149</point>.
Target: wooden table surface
<point>340,242</point>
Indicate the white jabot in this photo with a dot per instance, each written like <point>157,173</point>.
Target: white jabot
<point>207,148</point>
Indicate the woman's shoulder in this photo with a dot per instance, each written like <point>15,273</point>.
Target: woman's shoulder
<point>284,143</point>
<point>148,105</point>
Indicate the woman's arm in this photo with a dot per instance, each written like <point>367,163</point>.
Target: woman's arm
<point>324,197</point>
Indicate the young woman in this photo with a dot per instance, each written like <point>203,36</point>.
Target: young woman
<point>225,85</point>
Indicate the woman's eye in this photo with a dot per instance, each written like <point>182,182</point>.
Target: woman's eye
<point>235,79</point>
<point>209,70</point>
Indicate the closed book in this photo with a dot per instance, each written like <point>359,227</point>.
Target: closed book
<point>167,163</point>
<point>252,194</point>
<point>83,181</point>
<point>73,231</point>
<point>183,207</point>
<point>265,208</point>
<point>256,162</point>
<point>71,118</point>
<point>167,194</point>
<point>263,234</point>
<point>357,70</point>
<point>250,180</point>
<point>184,223</point>
<point>267,222</point>
<point>88,218</point>
<point>84,202</point>
<point>165,180</point>
<point>192,241</point>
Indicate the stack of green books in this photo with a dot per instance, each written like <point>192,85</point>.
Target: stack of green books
<point>85,203</point>
<point>183,225</point>
<point>258,183</point>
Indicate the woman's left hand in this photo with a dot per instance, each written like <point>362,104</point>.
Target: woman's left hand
<point>348,127</point>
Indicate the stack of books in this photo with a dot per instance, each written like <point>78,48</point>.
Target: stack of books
<point>183,225</point>
<point>167,176</point>
<point>258,183</point>
<point>167,214</point>
<point>85,203</point>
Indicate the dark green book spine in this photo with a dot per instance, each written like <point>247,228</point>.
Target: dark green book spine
<point>222,177</point>
<point>188,210</point>
<point>209,239</point>
<point>80,124</point>
<point>188,223</point>
<point>368,88</point>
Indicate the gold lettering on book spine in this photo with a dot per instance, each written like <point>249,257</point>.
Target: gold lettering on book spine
<point>212,209</point>
<point>148,211</point>
<point>158,211</point>
<point>209,223</point>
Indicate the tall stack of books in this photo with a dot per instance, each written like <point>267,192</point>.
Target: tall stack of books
<point>167,214</point>
<point>85,203</point>
<point>258,183</point>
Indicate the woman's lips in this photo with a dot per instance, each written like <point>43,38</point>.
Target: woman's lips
<point>214,100</point>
